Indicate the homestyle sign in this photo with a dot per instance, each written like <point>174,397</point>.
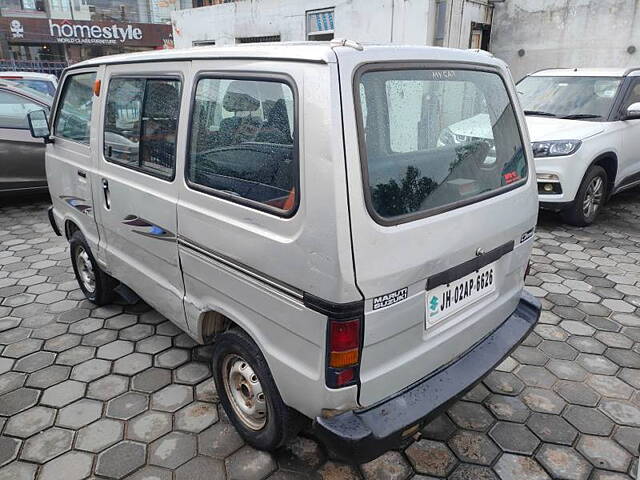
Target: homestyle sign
<point>45,30</point>
<point>69,32</point>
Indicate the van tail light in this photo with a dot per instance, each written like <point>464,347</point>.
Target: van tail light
<point>344,338</point>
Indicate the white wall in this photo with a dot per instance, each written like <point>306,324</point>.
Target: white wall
<point>570,33</point>
<point>398,21</point>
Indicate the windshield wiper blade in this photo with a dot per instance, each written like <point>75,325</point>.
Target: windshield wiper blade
<point>539,112</point>
<point>581,115</point>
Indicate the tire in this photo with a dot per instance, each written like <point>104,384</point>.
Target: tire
<point>271,423</point>
<point>101,289</point>
<point>592,191</point>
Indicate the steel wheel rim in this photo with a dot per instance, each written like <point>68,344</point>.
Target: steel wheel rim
<point>85,270</point>
<point>244,391</point>
<point>593,197</point>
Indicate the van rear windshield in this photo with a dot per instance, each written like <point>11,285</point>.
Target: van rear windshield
<point>433,140</point>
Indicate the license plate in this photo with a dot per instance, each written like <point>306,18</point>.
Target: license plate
<point>445,300</point>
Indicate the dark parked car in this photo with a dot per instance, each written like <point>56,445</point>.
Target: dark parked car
<point>21,155</point>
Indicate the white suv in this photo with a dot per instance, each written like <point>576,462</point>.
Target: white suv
<point>585,131</point>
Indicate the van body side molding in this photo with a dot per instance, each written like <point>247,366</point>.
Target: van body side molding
<point>338,311</point>
<point>469,266</point>
<point>325,307</point>
<point>240,267</point>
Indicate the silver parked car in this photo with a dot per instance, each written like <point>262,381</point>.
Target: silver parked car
<point>21,155</point>
<point>44,83</point>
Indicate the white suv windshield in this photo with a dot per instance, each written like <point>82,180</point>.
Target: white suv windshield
<point>585,98</point>
<point>434,140</point>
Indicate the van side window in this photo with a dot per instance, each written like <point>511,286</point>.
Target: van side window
<point>73,119</point>
<point>243,143</point>
<point>14,110</point>
<point>140,127</point>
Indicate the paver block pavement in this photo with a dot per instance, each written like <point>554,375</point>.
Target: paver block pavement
<point>29,422</point>
<point>564,462</point>
<point>47,445</point>
<point>518,467</point>
<point>8,449</point>
<point>604,453</point>
<point>473,447</point>
<point>172,398</point>
<point>219,440</point>
<point>99,435</point>
<point>63,393</point>
<point>514,438</point>
<point>151,380</point>
<point>201,468</point>
<point>121,459</point>
<point>173,450</point>
<point>250,464</point>
<point>18,471</point>
<point>149,426</point>
<point>72,465</point>
<point>18,400</point>
<point>124,380</point>
<point>431,458</point>
<point>195,417</point>
<point>552,428</point>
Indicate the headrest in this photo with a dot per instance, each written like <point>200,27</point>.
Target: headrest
<point>163,100</point>
<point>238,99</point>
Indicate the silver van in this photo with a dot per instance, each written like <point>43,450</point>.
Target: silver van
<point>307,210</point>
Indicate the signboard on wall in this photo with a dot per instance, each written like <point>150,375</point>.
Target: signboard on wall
<point>41,30</point>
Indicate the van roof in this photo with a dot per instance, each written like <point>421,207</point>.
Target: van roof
<point>321,52</point>
<point>586,72</point>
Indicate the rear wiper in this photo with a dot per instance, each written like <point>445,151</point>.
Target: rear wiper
<point>538,112</point>
<point>576,116</point>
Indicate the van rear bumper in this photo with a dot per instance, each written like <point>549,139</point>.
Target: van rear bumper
<point>362,435</point>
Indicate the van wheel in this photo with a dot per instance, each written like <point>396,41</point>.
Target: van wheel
<point>96,285</point>
<point>589,200</point>
<point>249,394</point>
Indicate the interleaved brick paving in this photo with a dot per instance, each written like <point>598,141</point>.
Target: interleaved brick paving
<point>119,392</point>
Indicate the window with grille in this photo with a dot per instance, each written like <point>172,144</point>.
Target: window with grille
<point>268,38</point>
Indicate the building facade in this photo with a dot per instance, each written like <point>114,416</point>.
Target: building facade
<point>454,23</point>
<point>534,34</point>
<point>67,31</point>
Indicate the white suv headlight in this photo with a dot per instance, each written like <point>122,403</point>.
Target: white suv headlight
<point>555,148</point>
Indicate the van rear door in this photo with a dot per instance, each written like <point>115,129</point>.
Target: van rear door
<point>443,205</point>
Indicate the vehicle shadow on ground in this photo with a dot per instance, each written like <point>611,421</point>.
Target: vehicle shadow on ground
<point>23,199</point>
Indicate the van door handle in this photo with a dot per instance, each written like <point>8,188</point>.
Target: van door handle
<point>107,195</point>
<point>82,174</point>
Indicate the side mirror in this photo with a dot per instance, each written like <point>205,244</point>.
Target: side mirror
<point>39,125</point>
<point>633,112</point>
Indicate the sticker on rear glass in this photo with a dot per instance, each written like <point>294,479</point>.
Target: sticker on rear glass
<point>443,74</point>
<point>511,177</point>
<point>390,298</point>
